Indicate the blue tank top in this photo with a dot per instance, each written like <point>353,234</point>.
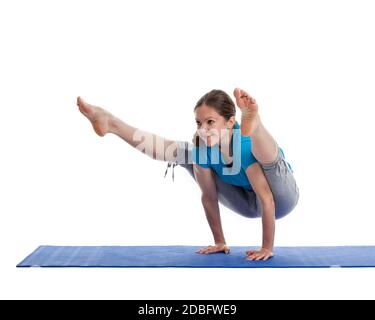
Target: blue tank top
<point>234,173</point>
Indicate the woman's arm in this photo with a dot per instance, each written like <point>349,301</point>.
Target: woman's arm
<point>262,189</point>
<point>206,182</point>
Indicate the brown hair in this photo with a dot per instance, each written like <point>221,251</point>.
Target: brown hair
<point>223,105</point>
<point>220,101</point>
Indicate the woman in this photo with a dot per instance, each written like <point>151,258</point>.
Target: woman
<point>240,166</point>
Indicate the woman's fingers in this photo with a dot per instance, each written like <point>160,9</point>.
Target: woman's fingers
<point>260,255</point>
<point>250,252</point>
<point>267,256</point>
<point>204,250</point>
<point>255,257</point>
<point>214,249</point>
<point>208,250</point>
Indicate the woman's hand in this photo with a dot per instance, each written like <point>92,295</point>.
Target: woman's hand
<point>262,254</point>
<point>219,247</point>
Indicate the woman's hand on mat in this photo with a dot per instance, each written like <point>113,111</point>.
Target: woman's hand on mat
<point>262,254</point>
<point>219,247</point>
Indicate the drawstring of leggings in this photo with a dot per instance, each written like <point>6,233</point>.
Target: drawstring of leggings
<point>168,165</point>
<point>183,147</point>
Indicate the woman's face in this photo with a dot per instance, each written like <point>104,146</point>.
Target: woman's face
<point>211,126</point>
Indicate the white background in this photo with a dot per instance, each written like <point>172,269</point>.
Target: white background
<point>309,64</point>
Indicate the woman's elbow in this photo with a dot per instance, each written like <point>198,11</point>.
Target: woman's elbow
<point>267,200</point>
<point>209,198</point>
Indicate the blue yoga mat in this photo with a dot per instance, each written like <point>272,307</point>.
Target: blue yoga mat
<point>185,256</point>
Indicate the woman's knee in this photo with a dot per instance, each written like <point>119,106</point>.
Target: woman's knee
<point>286,207</point>
<point>251,214</point>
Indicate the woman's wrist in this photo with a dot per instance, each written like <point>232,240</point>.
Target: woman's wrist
<point>221,242</point>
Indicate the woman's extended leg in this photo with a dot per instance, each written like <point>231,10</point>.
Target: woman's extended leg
<point>270,157</point>
<point>151,144</point>
<point>264,146</point>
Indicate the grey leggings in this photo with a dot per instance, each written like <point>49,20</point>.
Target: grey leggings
<point>243,201</point>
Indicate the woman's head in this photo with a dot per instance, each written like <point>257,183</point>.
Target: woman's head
<point>215,116</point>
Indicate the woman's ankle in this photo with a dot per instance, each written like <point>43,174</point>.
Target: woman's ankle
<point>113,124</point>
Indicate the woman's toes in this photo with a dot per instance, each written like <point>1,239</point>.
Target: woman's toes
<point>79,101</point>
<point>83,106</point>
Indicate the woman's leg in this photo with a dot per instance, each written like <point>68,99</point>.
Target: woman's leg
<point>245,202</point>
<point>263,145</point>
<point>151,144</point>
<point>270,157</point>
<point>282,184</point>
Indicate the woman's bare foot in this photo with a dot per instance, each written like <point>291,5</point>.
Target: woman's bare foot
<point>250,120</point>
<point>99,118</point>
